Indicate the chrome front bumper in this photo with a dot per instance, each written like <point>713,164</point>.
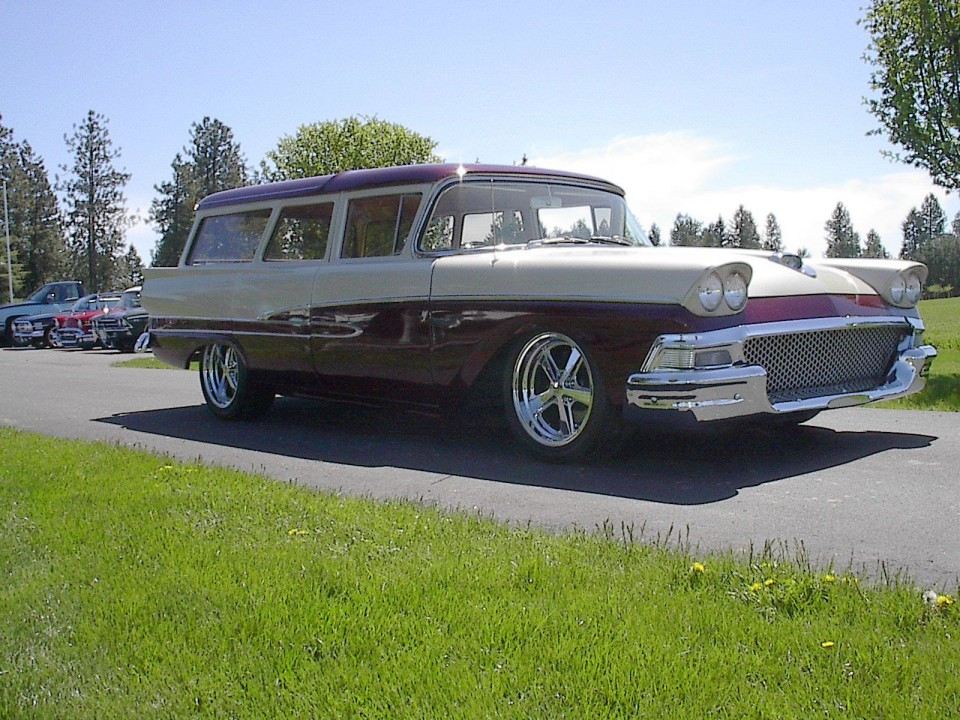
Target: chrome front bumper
<point>739,389</point>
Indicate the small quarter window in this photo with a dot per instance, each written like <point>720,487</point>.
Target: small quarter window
<point>379,226</point>
<point>228,238</point>
<point>301,233</point>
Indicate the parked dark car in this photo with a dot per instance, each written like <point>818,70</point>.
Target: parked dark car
<point>51,298</point>
<point>36,330</point>
<point>120,326</point>
<point>75,329</point>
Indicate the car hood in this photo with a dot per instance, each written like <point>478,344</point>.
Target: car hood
<point>647,274</point>
<point>18,306</point>
<point>42,316</point>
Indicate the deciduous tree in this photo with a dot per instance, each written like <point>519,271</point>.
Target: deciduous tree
<point>349,144</point>
<point>915,53</point>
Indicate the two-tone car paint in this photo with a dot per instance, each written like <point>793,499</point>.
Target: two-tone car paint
<point>423,325</point>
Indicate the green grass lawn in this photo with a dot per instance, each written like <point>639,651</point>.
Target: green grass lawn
<point>133,586</point>
<point>151,363</point>
<point>942,319</point>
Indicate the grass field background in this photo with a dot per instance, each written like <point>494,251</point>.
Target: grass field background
<point>134,586</point>
<point>942,319</point>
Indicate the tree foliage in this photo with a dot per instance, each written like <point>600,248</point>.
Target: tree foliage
<point>873,247</point>
<point>209,163</point>
<point>744,233</point>
<point>96,214</point>
<point>842,240</point>
<point>915,52</point>
<point>772,235</point>
<point>654,235</point>
<point>685,231</point>
<point>349,144</point>
<point>36,234</point>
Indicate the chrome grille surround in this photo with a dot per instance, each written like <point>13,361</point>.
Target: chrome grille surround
<point>814,364</point>
<point>802,365</point>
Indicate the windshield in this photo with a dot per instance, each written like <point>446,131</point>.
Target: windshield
<point>487,214</point>
<point>41,295</point>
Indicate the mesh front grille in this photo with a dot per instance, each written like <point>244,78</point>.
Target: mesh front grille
<point>108,322</point>
<point>824,362</point>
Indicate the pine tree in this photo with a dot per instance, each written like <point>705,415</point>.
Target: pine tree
<point>910,247</point>
<point>36,235</point>
<point>955,226</point>
<point>130,271</point>
<point>772,236</point>
<point>211,162</point>
<point>96,214</point>
<point>714,234</point>
<point>654,235</point>
<point>685,231</point>
<point>933,221</point>
<point>842,240</point>
<point>744,232</point>
<point>873,247</point>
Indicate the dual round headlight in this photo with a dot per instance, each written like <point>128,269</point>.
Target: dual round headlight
<point>906,289</point>
<point>732,289</point>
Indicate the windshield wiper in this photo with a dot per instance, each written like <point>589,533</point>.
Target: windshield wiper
<point>574,240</point>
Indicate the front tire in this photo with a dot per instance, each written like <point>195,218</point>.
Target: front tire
<point>229,392</point>
<point>554,397</point>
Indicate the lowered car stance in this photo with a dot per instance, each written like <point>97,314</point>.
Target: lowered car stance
<point>434,286</point>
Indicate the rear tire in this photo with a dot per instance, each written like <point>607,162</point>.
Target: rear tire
<point>229,392</point>
<point>554,398</point>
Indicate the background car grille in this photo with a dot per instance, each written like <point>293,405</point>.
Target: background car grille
<point>108,322</point>
<point>824,362</point>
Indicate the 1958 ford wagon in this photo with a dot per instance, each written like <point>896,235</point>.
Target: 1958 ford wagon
<point>428,284</point>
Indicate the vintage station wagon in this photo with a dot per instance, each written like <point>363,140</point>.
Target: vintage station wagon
<point>438,286</point>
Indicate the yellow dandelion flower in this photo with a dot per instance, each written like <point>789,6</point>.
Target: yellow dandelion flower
<point>698,567</point>
<point>827,644</point>
<point>756,587</point>
<point>944,601</point>
<point>768,582</point>
<point>296,531</point>
<point>828,578</point>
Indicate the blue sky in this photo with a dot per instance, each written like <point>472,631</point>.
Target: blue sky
<point>691,106</point>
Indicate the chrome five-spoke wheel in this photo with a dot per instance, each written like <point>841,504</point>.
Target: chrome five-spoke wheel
<point>554,396</point>
<point>227,386</point>
<point>220,373</point>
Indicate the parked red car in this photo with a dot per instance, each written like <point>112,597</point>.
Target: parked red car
<point>75,328</point>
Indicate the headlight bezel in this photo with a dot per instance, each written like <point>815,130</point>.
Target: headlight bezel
<point>906,288</point>
<point>735,291</point>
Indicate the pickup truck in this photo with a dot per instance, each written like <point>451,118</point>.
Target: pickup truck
<point>52,297</point>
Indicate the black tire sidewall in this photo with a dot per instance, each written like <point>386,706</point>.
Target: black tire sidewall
<point>250,401</point>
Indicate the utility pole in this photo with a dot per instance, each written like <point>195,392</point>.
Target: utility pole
<point>6,227</point>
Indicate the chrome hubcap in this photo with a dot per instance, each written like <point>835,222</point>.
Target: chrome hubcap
<point>221,374</point>
<point>552,389</point>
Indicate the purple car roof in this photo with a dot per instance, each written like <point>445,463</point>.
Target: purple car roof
<point>378,177</point>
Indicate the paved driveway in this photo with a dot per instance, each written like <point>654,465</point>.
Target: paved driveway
<point>877,489</point>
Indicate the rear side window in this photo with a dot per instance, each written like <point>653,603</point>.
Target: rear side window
<point>229,238</point>
<point>301,233</point>
<point>379,226</point>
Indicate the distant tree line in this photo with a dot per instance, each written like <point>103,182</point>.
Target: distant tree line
<point>925,239</point>
<point>740,232</point>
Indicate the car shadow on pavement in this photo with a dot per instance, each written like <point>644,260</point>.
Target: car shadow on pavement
<point>692,467</point>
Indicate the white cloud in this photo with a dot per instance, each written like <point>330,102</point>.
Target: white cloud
<point>668,173</point>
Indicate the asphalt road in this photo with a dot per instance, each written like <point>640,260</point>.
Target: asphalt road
<point>875,490</point>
